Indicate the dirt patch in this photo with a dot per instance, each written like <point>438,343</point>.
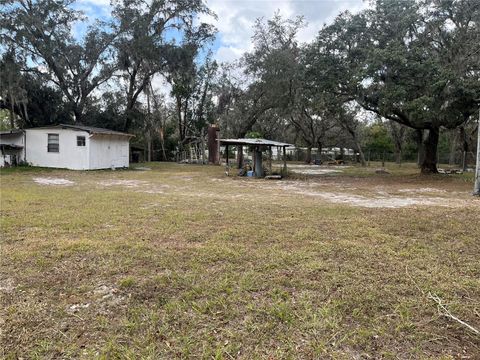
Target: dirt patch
<point>53,181</point>
<point>381,197</point>
<point>186,178</point>
<point>100,299</point>
<point>422,190</point>
<point>156,189</point>
<point>153,191</point>
<point>108,295</point>
<point>155,205</point>
<point>124,183</point>
<point>7,285</point>
<point>77,307</point>
<point>384,201</point>
<point>315,169</point>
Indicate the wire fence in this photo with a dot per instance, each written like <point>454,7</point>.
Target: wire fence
<point>453,159</point>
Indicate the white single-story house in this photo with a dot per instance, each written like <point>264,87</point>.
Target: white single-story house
<point>75,147</point>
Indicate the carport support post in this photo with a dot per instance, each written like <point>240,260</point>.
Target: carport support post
<point>226,151</point>
<point>258,162</point>
<point>240,156</point>
<point>284,161</point>
<point>270,159</point>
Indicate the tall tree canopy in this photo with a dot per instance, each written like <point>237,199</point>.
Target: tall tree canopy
<point>415,63</point>
<point>42,31</point>
<point>156,37</point>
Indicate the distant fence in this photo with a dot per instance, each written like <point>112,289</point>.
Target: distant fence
<point>453,159</point>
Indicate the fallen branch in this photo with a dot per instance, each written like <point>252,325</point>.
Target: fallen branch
<point>445,312</point>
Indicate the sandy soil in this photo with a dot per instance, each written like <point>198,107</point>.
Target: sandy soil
<point>53,181</point>
<point>315,169</point>
<point>346,191</point>
<point>125,183</point>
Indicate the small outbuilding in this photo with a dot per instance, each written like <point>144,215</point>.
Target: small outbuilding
<point>12,146</point>
<point>259,146</point>
<point>74,147</point>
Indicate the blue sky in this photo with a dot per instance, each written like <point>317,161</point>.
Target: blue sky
<point>235,19</point>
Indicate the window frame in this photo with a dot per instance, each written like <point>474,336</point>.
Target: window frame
<point>52,146</point>
<point>83,141</point>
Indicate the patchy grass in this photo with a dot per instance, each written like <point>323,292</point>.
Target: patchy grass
<point>182,262</point>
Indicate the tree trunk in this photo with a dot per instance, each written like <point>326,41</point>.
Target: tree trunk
<point>398,153</point>
<point>421,148</point>
<point>319,152</point>
<point>149,146</point>
<point>362,155</point>
<point>398,158</point>
<point>148,134</point>
<point>203,147</point>
<point>453,148</point>
<point>78,114</point>
<point>12,112</point>
<point>476,186</point>
<point>430,144</point>
<point>359,148</point>
<point>464,138</point>
<point>308,158</point>
<point>162,144</point>
<point>398,134</point>
<point>353,133</point>
<point>25,112</point>
<point>179,119</point>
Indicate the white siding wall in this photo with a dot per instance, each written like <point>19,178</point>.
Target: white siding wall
<point>70,156</point>
<point>107,151</point>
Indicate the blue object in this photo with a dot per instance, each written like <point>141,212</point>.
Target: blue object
<point>250,173</point>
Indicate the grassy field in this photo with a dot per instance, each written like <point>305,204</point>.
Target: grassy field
<point>183,262</point>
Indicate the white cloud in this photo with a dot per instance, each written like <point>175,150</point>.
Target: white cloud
<point>237,17</point>
<point>228,53</point>
<point>101,3</point>
<point>160,85</point>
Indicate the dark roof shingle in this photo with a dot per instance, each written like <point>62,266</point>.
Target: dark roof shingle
<point>89,129</point>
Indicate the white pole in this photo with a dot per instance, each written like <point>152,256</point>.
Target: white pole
<point>476,188</point>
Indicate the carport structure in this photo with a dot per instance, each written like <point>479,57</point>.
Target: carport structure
<point>259,146</point>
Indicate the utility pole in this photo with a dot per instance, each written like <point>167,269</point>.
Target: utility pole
<point>476,188</point>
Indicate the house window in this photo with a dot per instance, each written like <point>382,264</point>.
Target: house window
<point>80,140</point>
<point>53,143</point>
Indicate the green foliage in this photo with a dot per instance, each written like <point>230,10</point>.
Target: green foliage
<point>126,282</point>
<point>4,120</point>
<point>253,135</point>
<point>411,62</point>
<point>377,138</point>
<point>161,38</point>
<point>407,61</point>
<point>41,31</point>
